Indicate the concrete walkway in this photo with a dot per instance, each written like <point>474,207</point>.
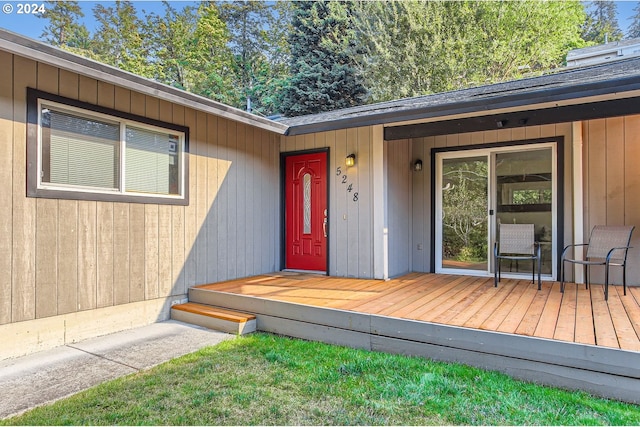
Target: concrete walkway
<point>47,376</point>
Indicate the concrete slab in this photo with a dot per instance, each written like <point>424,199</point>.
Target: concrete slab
<point>45,377</point>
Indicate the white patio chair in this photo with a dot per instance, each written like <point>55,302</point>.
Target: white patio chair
<point>608,246</point>
<point>517,242</point>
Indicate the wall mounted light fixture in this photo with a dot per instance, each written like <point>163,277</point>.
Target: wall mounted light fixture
<point>350,160</point>
<point>417,165</point>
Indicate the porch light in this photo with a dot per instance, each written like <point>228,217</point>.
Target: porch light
<point>350,160</point>
<point>417,165</point>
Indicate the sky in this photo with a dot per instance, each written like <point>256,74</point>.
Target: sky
<point>14,16</point>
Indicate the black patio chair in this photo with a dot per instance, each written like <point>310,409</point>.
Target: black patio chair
<point>608,246</point>
<point>517,242</point>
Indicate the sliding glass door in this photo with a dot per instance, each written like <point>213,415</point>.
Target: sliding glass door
<point>464,213</point>
<point>477,190</point>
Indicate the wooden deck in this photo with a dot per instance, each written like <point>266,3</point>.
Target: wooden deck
<point>574,340</point>
<point>515,306</point>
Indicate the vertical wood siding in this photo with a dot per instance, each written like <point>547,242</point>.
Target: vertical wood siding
<point>64,256</point>
<point>399,206</point>
<point>611,159</point>
<point>350,216</point>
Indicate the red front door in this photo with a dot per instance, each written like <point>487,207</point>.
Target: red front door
<point>306,212</point>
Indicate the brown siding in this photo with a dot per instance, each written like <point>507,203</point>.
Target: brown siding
<point>24,210</point>
<point>64,256</point>
<point>6,186</point>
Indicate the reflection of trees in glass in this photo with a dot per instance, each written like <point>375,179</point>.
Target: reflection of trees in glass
<point>464,205</point>
<point>531,197</point>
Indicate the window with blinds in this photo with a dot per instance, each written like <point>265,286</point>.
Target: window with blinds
<point>87,151</point>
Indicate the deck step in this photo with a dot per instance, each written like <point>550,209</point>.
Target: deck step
<point>219,319</point>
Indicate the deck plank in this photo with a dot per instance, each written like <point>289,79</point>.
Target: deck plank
<point>632,308</point>
<point>514,307</point>
<point>605,332</point>
<point>566,326</point>
<point>412,304</point>
<point>516,315</point>
<point>481,316</point>
<point>531,318</point>
<point>503,310</point>
<point>549,319</point>
<point>432,308</point>
<point>625,332</point>
<point>442,303</point>
<point>584,332</point>
<point>463,305</point>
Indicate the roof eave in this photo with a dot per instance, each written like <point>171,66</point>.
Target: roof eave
<point>482,106</point>
<point>50,55</point>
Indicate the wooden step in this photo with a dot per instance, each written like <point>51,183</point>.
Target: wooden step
<point>215,318</point>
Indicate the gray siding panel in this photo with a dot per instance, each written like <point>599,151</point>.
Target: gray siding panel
<point>399,206</point>
<point>350,215</point>
<point>66,256</point>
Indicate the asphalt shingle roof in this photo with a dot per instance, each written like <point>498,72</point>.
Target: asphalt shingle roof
<point>616,76</point>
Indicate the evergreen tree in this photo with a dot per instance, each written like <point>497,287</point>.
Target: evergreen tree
<point>601,25</point>
<point>413,47</point>
<point>64,30</point>
<point>189,51</point>
<point>323,71</point>
<point>271,74</point>
<point>634,28</point>
<point>247,22</point>
<point>120,39</point>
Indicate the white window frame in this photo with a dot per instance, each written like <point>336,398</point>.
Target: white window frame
<point>123,120</point>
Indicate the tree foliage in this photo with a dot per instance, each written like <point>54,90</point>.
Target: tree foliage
<point>120,38</point>
<point>312,56</point>
<point>413,47</point>
<point>634,29</point>
<point>191,52</point>
<point>246,22</point>
<point>464,209</point>
<point>323,72</point>
<point>601,24</point>
<point>63,29</point>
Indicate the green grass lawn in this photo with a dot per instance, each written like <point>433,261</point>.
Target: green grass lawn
<point>263,379</point>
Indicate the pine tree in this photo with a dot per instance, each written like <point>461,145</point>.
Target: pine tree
<point>189,51</point>
<point>323,71</point>
<point>64,30</point>
<point>634,28</point>
<point>415,47</point>
<point>601,25</point>
<point>120,39</point>
<point>247,22</point>
<point>271,73</point>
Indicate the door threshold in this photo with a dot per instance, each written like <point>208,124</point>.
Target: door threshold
<point>292,270</point>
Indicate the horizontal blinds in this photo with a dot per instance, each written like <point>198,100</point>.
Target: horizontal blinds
<point>82,151</point>
<point>151,162</point>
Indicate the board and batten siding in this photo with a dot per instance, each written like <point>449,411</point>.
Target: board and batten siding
<point>62,257</point>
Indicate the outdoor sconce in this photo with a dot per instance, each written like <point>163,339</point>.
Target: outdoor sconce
<point>417,166</point>
<point>350,160</point>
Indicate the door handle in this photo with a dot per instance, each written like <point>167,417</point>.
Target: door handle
<point>324,226</point>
